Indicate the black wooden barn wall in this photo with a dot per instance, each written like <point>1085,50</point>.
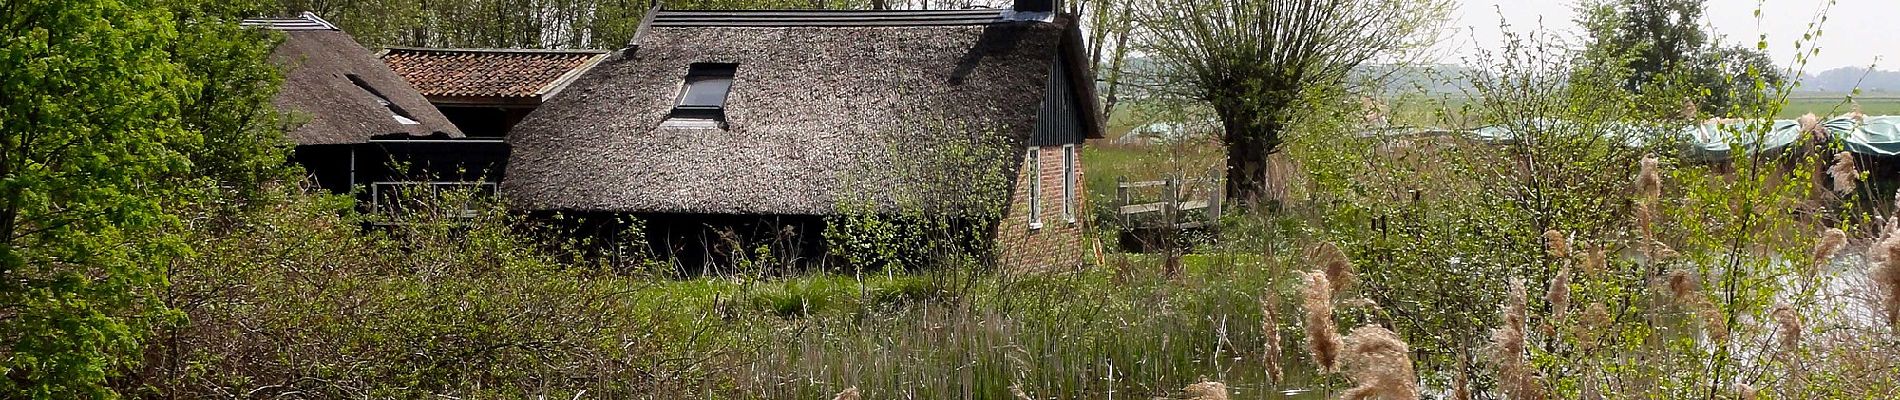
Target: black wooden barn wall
<point>1058,122</point>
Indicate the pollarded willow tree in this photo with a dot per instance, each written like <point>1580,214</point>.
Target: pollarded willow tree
<point>1254,61</point>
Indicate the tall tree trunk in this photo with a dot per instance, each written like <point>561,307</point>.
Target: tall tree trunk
<point>1115,63</point>
<point>1250,137</point>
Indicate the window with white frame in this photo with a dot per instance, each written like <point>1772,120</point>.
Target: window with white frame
<point>1034,159</point>
<point>1068,183</point>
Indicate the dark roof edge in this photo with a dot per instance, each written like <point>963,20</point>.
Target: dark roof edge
<point>1082,77</point>
<point>559,84</point>
<point>646,26</point>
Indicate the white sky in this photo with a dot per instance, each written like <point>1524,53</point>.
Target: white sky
<point>1857,32</point>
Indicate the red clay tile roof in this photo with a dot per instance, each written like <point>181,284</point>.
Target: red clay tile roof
<point>489,73</point>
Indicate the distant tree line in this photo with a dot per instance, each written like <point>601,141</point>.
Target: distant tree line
<point>596,24</point>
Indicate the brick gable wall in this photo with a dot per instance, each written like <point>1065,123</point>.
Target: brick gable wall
<point>1058,244</point>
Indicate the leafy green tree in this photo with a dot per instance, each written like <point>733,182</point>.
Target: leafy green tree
<point>1664,50</point>
<point>1251,61</point>
<point>243,147</point>
<point>89,123</point>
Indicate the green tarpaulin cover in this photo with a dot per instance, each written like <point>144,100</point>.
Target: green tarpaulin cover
<point>1867,135</point>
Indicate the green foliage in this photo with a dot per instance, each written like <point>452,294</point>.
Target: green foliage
<point>929,203</point>
<point>595,24</point>
<point>1664,49</point>
<point>243,148</point>
<point>89,126</point>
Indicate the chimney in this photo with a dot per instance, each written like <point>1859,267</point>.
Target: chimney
<point>1035,5</point>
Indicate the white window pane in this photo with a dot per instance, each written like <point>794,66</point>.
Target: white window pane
<point>706,91</point>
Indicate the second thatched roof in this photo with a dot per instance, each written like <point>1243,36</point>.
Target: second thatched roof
<point>824,108</point>
<point>337,89</point>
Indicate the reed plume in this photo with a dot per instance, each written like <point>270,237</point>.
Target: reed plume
<point>1270,328</point>
<point>1329,258</point>
<point>1206,390</point>
<point>1787,326</point>
<point>1649,179</point>
<point>1017,390</point>
<point>1592,325</point>
<point>1559,294</point>
<point>1843,172</point>
<point>1322,338</point>
<point>1811,124</point>
<point>1830,243</point>
<point>1380,363</point>
<point>1745,391</point>
<point>1556,244</point>
<point>1507,345</point>
<point>1515,313</point>
<point>1595,262</point>
<point>850,393</point>
<point>1683,287</point>
<point>1886,276</point>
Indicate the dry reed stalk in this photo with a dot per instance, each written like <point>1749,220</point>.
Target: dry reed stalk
<point>850,393</point>
<point>1830,243</point>
<point>1381,363</point>
<point>1270,328</point>
<point>1788,327</point>
<point>1206,390</point>
<point>1556,244</point>
<point>1322,338</point>
<point>1844,173</point>
<point>1329,258</point>
<point>1507,345</point>
<point>1559,294</point>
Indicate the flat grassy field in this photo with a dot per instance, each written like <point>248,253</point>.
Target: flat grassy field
<point>1830,104</point>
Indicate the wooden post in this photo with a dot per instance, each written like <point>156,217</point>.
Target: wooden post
<point>1174,197</point>
<point>1214,197</point>
<point>1121,199</point>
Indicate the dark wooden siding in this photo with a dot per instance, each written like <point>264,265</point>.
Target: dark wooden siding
<point>1059,122</point>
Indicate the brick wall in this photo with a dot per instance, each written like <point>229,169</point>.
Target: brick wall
<point>1058,244</point>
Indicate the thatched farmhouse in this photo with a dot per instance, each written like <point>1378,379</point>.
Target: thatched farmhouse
<point>355,119</point>
<point>720,126</point>
<point>485,92</point>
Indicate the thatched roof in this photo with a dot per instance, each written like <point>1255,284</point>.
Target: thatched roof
<point>324,88</point>
<point>823,107</point>
<point>490,75</point>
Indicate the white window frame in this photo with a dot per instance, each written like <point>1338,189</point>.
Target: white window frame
<point>1068,183</point>
<point>1034,159</point>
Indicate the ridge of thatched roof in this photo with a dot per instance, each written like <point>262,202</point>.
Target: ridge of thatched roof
<point>337,88</point>
<point>478,75</point>
<point>817,111</point>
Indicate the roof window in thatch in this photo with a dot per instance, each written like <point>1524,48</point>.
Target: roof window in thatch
<point>402,116</point>
<point>702,100</point>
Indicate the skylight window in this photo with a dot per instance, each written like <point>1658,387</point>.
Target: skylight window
<point>704,95</point>
<point>402,116</point>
